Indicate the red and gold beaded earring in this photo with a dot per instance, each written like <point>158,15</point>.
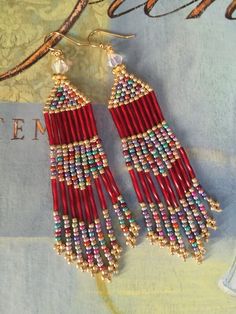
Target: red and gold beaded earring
<point>173,202</point>
<point>80,180</point>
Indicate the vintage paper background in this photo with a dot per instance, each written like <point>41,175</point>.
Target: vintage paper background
<point>191,64</point>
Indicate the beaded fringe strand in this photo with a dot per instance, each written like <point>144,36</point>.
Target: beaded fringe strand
<point>79,176</point>
<point>172,200</point>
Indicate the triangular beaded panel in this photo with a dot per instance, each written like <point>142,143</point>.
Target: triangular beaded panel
<point>127,88</point>
<point>64,96</point>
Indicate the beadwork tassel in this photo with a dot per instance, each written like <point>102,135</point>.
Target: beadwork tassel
<point>172,201</point>
<point>79,176</point>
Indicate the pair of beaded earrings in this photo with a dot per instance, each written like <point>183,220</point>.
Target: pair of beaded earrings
<point>173,203</point>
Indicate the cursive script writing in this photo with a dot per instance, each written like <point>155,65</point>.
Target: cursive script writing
<point>149,5</point>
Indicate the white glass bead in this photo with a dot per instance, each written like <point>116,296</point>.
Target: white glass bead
<point>59,67</point>
<point>114,60</point>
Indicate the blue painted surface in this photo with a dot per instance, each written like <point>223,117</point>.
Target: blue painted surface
<point>191,65</point>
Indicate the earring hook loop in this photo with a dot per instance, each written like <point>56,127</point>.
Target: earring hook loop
<point>89,42</point>
<point>105,32</point>
<point>77,43</point>
<point>101,45</point>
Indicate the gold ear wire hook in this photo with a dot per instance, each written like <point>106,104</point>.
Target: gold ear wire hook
<point>77,43</point>
<point>89,38</point>
<point>102,31</point>
<point>54,52</point>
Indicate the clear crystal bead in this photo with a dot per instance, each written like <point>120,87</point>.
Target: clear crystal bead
<point>59,66</point>
<point>114,59</point>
